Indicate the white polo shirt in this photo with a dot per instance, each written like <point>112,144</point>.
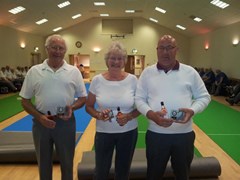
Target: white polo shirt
<point>113,94</point>
<point>53,89</point>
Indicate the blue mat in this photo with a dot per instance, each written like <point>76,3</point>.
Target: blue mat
<point>25,124</point>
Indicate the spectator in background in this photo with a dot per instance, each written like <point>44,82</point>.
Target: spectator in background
<point>208,78</point>
<point>201,72</point>
<point>220,83</point>
<point>17,81</point>
<point>82,70</point>
<point>8,72</point>
<point>5,82</point>
<point>18,72</point>
<point>235,96</point>
<point>23,72</point>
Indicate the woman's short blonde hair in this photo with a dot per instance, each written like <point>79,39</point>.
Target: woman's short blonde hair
<point>116,48</point>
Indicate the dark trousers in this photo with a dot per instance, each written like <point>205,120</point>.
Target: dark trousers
<point>124,145</point>
<point>179,148</point>
<point>63,137</point>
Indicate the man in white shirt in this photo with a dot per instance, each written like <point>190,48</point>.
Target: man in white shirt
<point>54,84</point>
<point>170,134</point>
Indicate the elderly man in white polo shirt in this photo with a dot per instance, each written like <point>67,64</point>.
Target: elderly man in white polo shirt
<point>180,89</point>
<point>54,84</point>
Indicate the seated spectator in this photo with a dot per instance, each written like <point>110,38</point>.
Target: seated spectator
<point>17,81</point>
<point>23,71</point>
<point>219,86</point>
<point>7,72</point>
<point>201,71</point>
<point>208,79</point>
<point>19,72</point>
<point>81,68</point>
<point>4,82</point>
<point>235,97</point>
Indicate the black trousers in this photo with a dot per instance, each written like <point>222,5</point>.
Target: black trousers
<point>179,148</point>
<point>124,145</point>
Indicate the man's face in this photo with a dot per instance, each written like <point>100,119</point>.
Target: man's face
<point>166,52</point>
<point>56,49</point>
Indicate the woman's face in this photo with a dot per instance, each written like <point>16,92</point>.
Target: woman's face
<point>115,61</point>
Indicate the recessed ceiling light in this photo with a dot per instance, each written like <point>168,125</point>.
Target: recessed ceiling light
<point>197,19</point>
<point>41,21</point>
<point>64,4</point>
<point>160,10</point>
<point>129,11</point>
<point>99,3</point>
<point>154,20</point>
<point>16,10</point>
<point>104,15</point>
<point>219,4</point>
<point>180,27</point>
<point>76,16</point>
<point>57,29</point>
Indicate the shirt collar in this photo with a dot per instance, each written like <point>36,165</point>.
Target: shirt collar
<point>175,67</point>
<point>45,65</point>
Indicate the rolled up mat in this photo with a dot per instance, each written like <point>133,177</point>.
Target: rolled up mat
<point>18,147</point>
<point>203,167</point>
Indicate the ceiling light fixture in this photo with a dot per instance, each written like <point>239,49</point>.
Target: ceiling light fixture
<point>99,3</point>
<point>76,16</point>
<point>180,27</point>
<point>219,4</point>
<point>41,21</point>
<point>104,15</point>
<point>154,20</point>
<point>64,4</point>
<point>197,19</point>
<point>160,10</point>
<point>57,29</point>
<point>16,10</point>
<point>129,11</point>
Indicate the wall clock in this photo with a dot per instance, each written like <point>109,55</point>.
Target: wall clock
<point>78,44</point>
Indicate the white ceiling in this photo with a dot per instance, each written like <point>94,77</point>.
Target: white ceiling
<point>178,12</point>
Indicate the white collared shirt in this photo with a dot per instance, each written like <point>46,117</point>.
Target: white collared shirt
<point>53,89</point>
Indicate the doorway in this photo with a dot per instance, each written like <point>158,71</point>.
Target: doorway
<point>135,64</point>
<point>81,59</point>
<point>36,58</point>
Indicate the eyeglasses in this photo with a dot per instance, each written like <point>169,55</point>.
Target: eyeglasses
<point>58,48</point>
<point>167,48</point>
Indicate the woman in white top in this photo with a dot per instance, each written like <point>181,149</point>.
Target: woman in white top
<point>110,93</point>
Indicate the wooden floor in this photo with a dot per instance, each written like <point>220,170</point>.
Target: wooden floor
<point>230,169</point>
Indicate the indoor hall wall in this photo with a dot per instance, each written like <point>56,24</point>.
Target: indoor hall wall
<point>144,38</point>
<point>221,53</point>
<point>10,52</point>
